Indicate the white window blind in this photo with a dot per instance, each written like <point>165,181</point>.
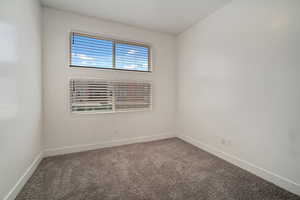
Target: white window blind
<point>109,96</point>
<point>91,52</point>
<point>89,95</point>
<point>131,95</point>
<point>96,52</point>
<point>131,57</point>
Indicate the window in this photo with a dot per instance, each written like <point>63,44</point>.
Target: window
<point>109,96</point>
<point>92,51</point>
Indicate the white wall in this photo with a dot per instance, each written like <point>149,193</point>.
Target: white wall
<point>20,85</point>
<point>63,129</point>
<point>238,80</point>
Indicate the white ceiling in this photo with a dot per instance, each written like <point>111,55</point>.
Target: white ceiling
<point>170,16</point>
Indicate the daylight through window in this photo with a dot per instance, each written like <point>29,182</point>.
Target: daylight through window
<point>95,52</point>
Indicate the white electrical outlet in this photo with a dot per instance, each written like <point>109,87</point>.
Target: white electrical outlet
<point>226,142</point>
<point>223,141</point>
<point>229,142</point>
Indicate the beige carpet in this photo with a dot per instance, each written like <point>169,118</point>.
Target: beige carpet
<point>160,170</point>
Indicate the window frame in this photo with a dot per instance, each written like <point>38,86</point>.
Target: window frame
<point>114,41</point>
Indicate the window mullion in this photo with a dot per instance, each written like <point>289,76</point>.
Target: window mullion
<point>113,97</point>
<point>114,55</point>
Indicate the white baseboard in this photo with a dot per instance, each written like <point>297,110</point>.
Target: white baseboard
<point>24,178</point>
<point>86,147</point>
<point>263,173</point>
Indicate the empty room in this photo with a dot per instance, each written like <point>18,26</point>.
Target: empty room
<point>150,100</point>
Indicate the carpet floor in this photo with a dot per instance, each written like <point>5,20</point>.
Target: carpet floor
<point>159,170</point>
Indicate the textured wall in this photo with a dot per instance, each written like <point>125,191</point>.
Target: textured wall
<point>20,85</point>
<point>238,83</point>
